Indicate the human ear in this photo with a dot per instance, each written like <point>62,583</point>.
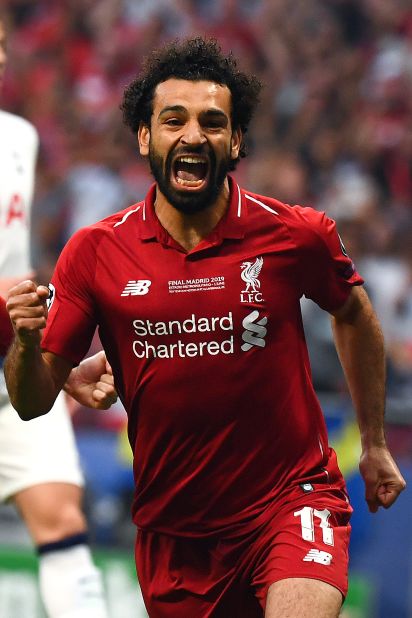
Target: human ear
<point>235,143</point>
<point>143,138</point>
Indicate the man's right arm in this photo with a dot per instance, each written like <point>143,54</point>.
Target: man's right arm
<point>34,378</point>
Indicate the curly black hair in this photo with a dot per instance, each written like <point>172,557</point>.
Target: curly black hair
<point>191,59</point>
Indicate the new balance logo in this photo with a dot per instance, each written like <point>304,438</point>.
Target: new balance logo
<point>316,555</point>
<point>138,287</point>
<point>255,331</point>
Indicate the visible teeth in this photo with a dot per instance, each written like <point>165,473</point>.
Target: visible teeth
<point>189,183</point>
<point>191,160</point>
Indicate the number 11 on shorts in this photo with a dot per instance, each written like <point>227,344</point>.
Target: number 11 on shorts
<point>307,515</point>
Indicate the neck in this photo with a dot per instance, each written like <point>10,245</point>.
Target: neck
<point>190,230</point>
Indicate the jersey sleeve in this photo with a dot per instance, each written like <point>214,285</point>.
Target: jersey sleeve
<point>327,273</point>
<point>71,320</point>
<point>6,329</point>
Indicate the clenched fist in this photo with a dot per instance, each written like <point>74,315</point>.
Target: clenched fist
<point>27,307</point>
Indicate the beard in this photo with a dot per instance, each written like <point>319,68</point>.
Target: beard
<point>185,201</point>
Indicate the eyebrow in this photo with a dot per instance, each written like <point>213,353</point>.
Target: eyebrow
<point>214,112</point>
<point>181,109</point>
<point>172,108</point>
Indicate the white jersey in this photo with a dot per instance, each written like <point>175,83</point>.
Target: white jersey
<point>18,152</point>
<point>43,450</point>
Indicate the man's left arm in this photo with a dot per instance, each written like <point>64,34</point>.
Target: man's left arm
<point>91,383</point>
<point>360,346</point>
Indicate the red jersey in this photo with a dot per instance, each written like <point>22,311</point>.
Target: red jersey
<point>6,329</point>
<point>208,353</point>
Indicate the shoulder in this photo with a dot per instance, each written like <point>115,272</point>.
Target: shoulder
<point>303,223</point>
<point>92,235</point>
<point>16,125</point>
<point>129,214</point>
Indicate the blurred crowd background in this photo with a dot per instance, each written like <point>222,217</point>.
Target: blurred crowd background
<point>333,131</point>
<point>334,128</point>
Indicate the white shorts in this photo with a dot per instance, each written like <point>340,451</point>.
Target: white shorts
<point>42,450</point>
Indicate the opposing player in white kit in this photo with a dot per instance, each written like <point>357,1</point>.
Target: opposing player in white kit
<point>39,463</point>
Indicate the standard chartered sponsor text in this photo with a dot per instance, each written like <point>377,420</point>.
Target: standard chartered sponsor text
<point>148,347</point>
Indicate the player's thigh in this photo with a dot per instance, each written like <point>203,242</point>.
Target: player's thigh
<point>51,511</point>
<point>307,540</point>
<point>42,450</point>
<point>40,471</point>
<point>306,598</point>
<point>196,578</point>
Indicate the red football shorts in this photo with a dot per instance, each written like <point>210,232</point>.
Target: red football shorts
<point>230,577</point>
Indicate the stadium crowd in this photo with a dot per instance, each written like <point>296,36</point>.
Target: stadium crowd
<point>334,129</point>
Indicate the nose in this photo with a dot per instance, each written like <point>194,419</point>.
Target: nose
<point>193,134</point>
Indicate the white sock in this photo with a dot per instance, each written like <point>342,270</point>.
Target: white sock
<point>70,584</point>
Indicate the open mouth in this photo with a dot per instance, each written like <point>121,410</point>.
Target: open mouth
<point>190,171</point>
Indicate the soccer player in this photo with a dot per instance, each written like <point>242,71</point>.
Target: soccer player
<point>240,505</point>
<point>39,463</point>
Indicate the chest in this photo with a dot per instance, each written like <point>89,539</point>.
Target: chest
<point>159,292</point>
<point>16,188</point>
